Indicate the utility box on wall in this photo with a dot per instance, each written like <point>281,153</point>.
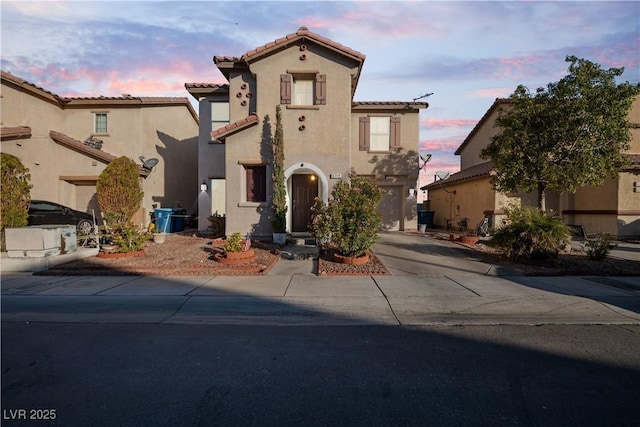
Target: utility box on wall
<point>41,241</point>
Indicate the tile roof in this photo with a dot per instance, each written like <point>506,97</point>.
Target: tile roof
<point>363,105</point>
<point>125,99</point>
<point>15,132</point>
<point>235,127</point>
<point>302,33</point>
<point>475,171</point>
<point>198,89</point>
<point>227,63</point>
<point>80,147</point>
<point>83,148</point>
<point>189,86</point>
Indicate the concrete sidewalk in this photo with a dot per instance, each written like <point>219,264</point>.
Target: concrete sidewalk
<point>305,299</point>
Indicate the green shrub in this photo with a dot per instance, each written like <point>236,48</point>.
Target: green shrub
<point>14,194</point>
<point>128,237</point>
<point>234,243</point>
<point>598,247</point>
<point>530,232</point>
<point>217,226</point>
<point>119,195</point>
<point>351,218</point>
<point>119,191</point>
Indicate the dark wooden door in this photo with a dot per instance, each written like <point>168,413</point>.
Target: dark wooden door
<point>305,190</point>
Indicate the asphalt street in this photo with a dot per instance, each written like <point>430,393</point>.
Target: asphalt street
<point>204,375</point>
<point>446,340</point>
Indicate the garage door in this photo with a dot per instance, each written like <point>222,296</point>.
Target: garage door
<point>391,208</point>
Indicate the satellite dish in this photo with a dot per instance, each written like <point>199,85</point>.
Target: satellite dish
<point>148,164</point>
<point>443,174</point>
<point>425,158</point>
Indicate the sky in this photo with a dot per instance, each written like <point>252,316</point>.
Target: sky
<point>466,54</point>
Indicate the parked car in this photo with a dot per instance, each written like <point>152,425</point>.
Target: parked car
<point>42,212</point>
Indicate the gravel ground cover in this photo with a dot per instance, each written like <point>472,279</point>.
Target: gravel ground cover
<point>193,254</point>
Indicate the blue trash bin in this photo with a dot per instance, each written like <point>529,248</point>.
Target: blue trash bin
<point>163,220</point>
<point>177,219</point>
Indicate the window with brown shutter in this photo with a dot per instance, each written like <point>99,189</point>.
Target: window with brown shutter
<point>256,183</point>
<point>365,134</point>
<point>321,89</point>
<point>285,89</point>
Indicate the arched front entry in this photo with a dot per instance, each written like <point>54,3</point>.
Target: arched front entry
<point>305,182</point>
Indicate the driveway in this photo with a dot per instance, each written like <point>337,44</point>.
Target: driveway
<point>413,254</point>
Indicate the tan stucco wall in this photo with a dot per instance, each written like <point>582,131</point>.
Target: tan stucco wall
<point>396,170</point>
<point>470,155</point>
<point>471,200</point>
<point>322,148</point>
<point>168,133</point>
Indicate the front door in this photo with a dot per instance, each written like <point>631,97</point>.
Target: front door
<point>304,191</point>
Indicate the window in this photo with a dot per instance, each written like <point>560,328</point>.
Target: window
<point>256,183</point>
<point>100,123</point>
<point>302,92</point>
<point>379,133</point>
<point>219,115</point>
<point>303,89</point>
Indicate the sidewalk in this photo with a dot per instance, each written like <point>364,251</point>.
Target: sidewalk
<point>305,299</point>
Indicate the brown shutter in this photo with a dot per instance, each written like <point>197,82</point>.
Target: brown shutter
<point>364,133</point>
<point>249,175</point>
<point>394,133</point>
<point>285,88</point>
<point>321,89</point>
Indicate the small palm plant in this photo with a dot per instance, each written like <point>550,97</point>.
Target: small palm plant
<point>532,233</point>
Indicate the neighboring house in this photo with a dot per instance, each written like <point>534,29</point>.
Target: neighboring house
<point>613,207</point>
<point>67,142</point>
<point>326,135</point>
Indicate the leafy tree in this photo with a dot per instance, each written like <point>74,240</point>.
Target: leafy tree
<point>568,134</point>
<point>119,192</point>
<point>14,194</point>
<point>279,221</point>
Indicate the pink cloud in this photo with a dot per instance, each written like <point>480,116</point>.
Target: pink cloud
<point>445,123</point>
<point>144,86</point>
<point>449,144</point>
<point>492,93</point>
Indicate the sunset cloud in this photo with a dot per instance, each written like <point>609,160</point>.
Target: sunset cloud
<point>465,53</point>
<point>436,123</point>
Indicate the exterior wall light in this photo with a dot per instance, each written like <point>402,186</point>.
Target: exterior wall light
<point>204,186</point>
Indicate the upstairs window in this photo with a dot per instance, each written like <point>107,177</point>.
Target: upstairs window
<point>219,115</point>
<point>100,123</point>
<point>303,89</point>
<point>379,133</point>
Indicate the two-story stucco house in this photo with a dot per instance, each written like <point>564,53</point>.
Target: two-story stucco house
<point>613,207</point>
<point>67,142</point>
<point>326,135</point>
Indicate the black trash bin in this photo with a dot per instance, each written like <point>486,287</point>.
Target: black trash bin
<point>177,219</point>
<point>426,218</point>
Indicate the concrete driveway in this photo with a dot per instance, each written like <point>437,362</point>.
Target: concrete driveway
<point>413,254</point>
